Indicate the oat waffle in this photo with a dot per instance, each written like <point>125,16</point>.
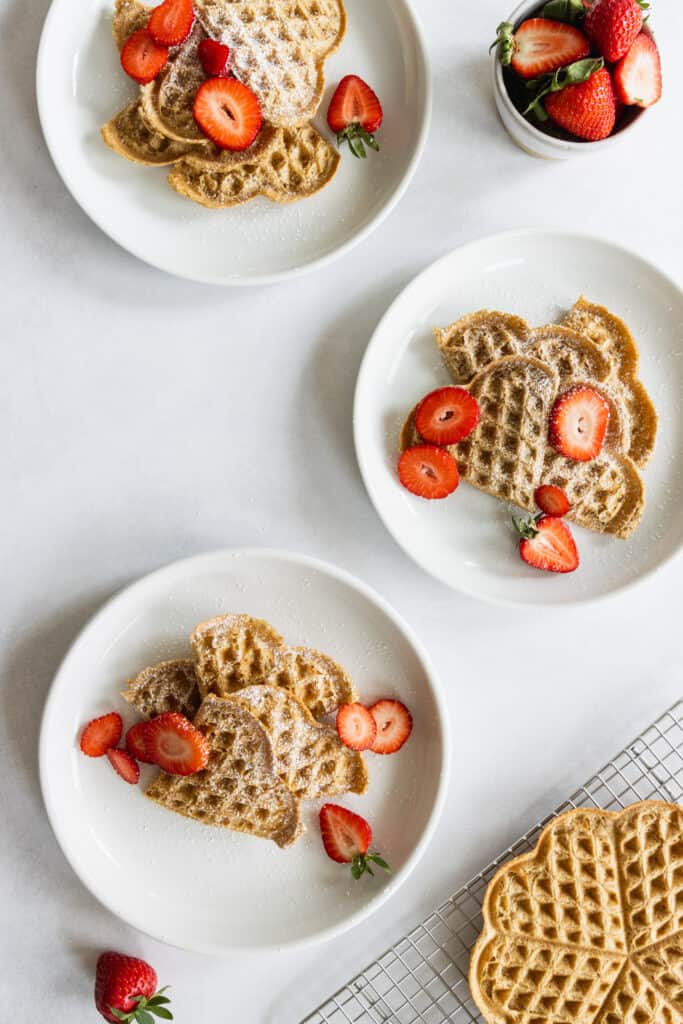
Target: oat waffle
<point>233,651</point>
<point>588,927</point>
<point>315,679</point>
<point>169,686</point>
<point>309,758</point>
<point>279,49</point>
<point>239,789</point>
<point>129,135</point>
<point>508,454</point>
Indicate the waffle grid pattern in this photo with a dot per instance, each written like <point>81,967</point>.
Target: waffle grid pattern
<point>422,979</point>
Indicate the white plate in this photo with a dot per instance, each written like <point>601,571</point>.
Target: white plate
<point>466,541</point>
<point>80,86</point>
<point>209,889</point>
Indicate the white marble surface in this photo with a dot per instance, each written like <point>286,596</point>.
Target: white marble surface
<point>144,418</point>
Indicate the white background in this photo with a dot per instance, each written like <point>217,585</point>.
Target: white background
<point>144,419</point>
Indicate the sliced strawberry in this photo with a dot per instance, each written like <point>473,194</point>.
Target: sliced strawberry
<point>355,114</point>
<point>101,734</point>
<point>171,22</point>
<point>578,423</point>
<point>214,58</point>
<point>356,726</point>
<point>394,726</point>
<point>547,543</point>
<point>142,57</point>
<point>175,745</point>
<point>346,838</point>
<point>638,75</point>
<point>447,415</point>
<point>552,500</point>
<point>136,742</point>
<point>540,45</point>
<point>428,471</point>
<point>124,765</point>
<point>228,113</point>
<point>612,26</point>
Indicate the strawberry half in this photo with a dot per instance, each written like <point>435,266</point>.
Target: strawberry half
<point>356,726</point>
<point>638,75</point>
<point>428,471</point>
<point>552,500</point>
<point>588,109</point>
<point>214,58</point>
<point>394,726</point>
<point>612,26</point>
<point>578,423</point>
<point>171,22</point>
<point>175,745</point>
<point>355,114</point>
<point>540,45</point>
<point>228,113</point>
<point>346,838</point>
<point>547,543</point>
<point>447,415</point>
<point>136,742</point>
<point>125,990</point>
<point>124,765</point>
<point>101,734</point>
<point>142,57</point>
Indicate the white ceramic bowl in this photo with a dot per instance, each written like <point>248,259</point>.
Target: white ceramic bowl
<point>529,138</point>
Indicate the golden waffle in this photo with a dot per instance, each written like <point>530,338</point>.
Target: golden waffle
<point>239,789</point>
<point>130,136</point>
<point>614,339</point>
<point>588,927</point>
<point>309,758</point>
<point>169,686</point>
<point>278,49</point>
<point>129,16</point>
<point>315,679</point>
<point>508,454</point>
<point>233,651</point>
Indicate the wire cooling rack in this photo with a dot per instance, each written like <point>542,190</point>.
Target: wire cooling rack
<point>423,978</point>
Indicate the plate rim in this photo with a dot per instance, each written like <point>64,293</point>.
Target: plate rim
<point>337,574</point>
<point>414,285</point>
<point>255,280</point>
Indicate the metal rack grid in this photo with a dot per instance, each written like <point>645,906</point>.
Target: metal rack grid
<point>422,979</point>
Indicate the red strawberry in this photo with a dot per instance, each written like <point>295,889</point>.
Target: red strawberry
<point>355,114</point>
<point>346,838</point>
<point>447,415</point>
<point>552,500</point>
<point>578,423</point>
<point>394,726</point>
<point>228,112</point>
<point>171,22</point>
<point>541,45</point>
<point>588,109</point>
<point>547,543</point>
<point>356,726</point>
<point>101,734</point>
<point>125,989</point>
<point>124,765</point>
<point>136,742</point>
<point>638,75</point>
<point>175,745</point>
<point>214,57</point>
<point>612,26</point>
<point>142,57</point>
<point>428,471</point>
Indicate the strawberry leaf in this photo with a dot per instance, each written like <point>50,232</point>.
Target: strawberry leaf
<point>505,41</point>
<point>160,1011</point>
<point>572,12</point>
<point>526,527</point>
<point>358,139</point>
<point>142,1017</point>
<point>571,74</point>
<point>361,864</point>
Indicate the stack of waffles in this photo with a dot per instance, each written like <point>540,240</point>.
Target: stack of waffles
<point>588,928</point>
<point>279,50</point>
<point>259,703</point>
<point>516,373</point>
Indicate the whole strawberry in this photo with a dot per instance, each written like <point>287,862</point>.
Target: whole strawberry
<point>125,990</point>
<point>587,110</point>
<point>612,26</point>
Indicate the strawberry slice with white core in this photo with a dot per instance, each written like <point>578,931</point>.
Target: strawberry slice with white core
<point>346,838</point>
<point>175,745</point>
<point>428,471</point>
<point>394,726</point>
<point>101,734</point>
<point>638,75</point>
<point>228,113</point>
<point>124,765</point>
<point>355,114</point>
<point>547,543</point>
<point>552,500</point>
<point>356,726</point>
<point>578,423</point>
<point>142,57</point>
<point>447,415</point>
<point>540,45</point>
<point>171,22</point>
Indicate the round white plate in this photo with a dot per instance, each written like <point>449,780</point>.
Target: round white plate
<point>209,889</point>
<point>467,540</point>
<point>81,86</point>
